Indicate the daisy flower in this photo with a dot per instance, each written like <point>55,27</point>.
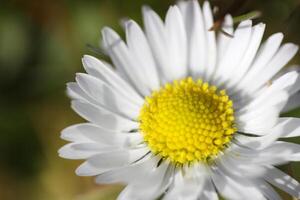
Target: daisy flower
<point>187,113</point>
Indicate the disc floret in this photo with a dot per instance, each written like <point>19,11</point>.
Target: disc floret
<point>187,121</point>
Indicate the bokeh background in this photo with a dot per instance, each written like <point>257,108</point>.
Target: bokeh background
<point>41,45</point>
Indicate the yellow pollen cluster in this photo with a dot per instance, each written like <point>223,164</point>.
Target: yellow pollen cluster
<point>187,121</point>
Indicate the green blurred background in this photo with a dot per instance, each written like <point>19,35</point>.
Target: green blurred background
<point>41,45</point>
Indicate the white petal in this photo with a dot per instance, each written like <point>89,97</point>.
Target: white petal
<point>197,44</point>
<point>284,83</point>
<point>224,40</point>
<point>93,96</point>
<point>82,150</point>
<point>106,161</point>
<point>285,150</point>
<point>235,51</point>
<point>235,188</point>
<point>71,86</point>
<point>247,58</point>
<point>129,173</point>
<point>296,87</point>
<point>112,138</point>
<point>107,96</point>
<point>177,43</point>
<point>98,69</point>
<point>286,127</point>
<point>139,47</point>
<point>268,191</point>
<point>257,142</point>
<point>157,37</point>
<point>209,191</point>
<point>152,186</point>
<point>211,41</point>
<point>265,54</point>
<point>98,93</point>
<point>187,186</point>
<point>259,121</point>
<point>260,98</point>
<point>293,103</point>
<point>247,170</point>
<point>283,181</point>
<point>123,60</point>
<point>289,81</point>
<point>73,134</point>
<point>276,154</point>
<point>183,5</point>
<point>76,93</point>
<point>280,59</point>
<point>262,103</point>
<point>102,117</point>
<point>91,133</point>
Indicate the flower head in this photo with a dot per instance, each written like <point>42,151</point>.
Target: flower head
<point>188,113</point>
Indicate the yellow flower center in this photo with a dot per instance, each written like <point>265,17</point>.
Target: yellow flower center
<point>187,121</point>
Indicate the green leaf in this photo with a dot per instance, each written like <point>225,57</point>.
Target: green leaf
<point>250,15</point>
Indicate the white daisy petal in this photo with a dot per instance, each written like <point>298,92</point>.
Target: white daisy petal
<point>72,134</point>
<point>152,186</point>
<point>223,39</point>
<point>177,43</point>
<point>241,169</point>
<point>112,138</point>
<point>188,186</point>
<point>283,181</point>
<point>263,103</point>
<point>106,161</point>
<point>91,133</point>
<point>289,82</point>
<point>264,55</point>
<point>235,188</point>
<point>98,69</point>
<point>183,7</point>
<point>259,122</point>
<point>280,59</point>
<point>139,47</point>
<point>106,96</point>
<point>249,54</point>
<point>268,191</point>
<point>209,191</point>
<point>129,173</point>
<point>75,92</point>
<point>102,117</point>
<point>157,37</point>
<point>82,150</point>
<point>257,142</point>
<point>235,51</point>
<point>293,103</point>
<point>284,150</point>
<point>122,59</point>
<point>286,127</point>
<point>277,154</point>
<point>284,83</point>
<point>296,86</point>
<point>211,41</point>
<point>183,189</point>
<point>197,45</point>
<point>91,91</point>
